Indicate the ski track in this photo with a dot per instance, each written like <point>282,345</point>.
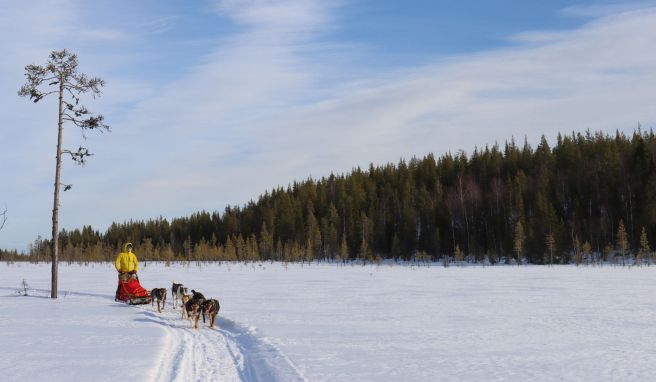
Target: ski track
<point>229,352</point>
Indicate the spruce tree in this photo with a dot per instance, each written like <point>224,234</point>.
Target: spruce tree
<point>280,250</point>
<point>230,251</point>
<point>331,234</point>
<point>240,248</point>
<point>608,252</point>
<point>622,243</point>
<point>344,250</point>
<point>518,242</point>
<point>644,247</point>
<point>586,248</point>
<point>332,243</point>
<point>312,233</point>
<point>396,247</point>
<point>577,251</point>
<point>308,253</point>
<point>459,255</point>
<point>551,245</point>
<point>266,242</point>
<point>363,252</point>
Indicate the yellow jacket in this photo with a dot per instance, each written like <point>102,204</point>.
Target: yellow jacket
<point>126,261</point>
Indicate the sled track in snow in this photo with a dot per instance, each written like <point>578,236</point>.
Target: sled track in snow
<point>229,352</point>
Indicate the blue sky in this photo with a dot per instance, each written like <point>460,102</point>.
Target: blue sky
<point>213,102</point>
<point>425,29</point>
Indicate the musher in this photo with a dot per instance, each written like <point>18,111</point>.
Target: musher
<point>127,266</point>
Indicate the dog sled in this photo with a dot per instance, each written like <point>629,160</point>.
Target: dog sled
<point>130,290</point>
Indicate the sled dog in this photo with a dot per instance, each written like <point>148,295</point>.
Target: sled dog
<point>177,291</point>
<point>201,299</point>
<point>185,298</point>
<point>160,295</point>
<point>192,307</point>
<point>211,307</point>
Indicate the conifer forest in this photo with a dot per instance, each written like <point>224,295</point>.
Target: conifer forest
<point>591,197</point>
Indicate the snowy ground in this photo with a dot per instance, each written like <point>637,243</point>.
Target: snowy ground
<point>330,323</point>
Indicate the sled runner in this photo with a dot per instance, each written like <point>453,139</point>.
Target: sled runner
<point>131,292</point>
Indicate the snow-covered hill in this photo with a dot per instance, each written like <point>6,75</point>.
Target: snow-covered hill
<point>326,322</point>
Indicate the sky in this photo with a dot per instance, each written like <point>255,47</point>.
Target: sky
<point>213,102</point>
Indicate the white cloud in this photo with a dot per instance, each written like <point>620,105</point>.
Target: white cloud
<point>275,102</point>
<point>278,15</point>
<point>249,97</point>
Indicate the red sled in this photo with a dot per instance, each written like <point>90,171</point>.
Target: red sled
<point>132,292</point>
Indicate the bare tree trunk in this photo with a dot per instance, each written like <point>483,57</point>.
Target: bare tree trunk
<point>3,219</point>
<point>55,208</point>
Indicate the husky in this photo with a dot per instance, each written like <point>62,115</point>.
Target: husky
<point>192,308</point>
<point>211,307</point>
<point>177,291</point>
<point>185,298</point>
<point>160,295</point>
<point>201,299</point>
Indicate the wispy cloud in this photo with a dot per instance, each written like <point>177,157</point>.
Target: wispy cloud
<point>160,149</point>
<point>279,15</point>
<point>277,100</point>
<point>606,9</point>
<point>245,114</point>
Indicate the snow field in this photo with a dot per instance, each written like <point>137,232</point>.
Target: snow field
<point>331,323</point>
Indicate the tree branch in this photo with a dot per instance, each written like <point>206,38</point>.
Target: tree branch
<point>35,94</point>
<point>79,156</point>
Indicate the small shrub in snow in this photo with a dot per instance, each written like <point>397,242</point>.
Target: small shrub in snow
<point>23,289</point>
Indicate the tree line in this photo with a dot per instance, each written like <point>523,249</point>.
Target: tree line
<point>590,197</point>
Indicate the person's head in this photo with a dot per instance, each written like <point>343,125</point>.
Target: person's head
<point>128,247</point>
